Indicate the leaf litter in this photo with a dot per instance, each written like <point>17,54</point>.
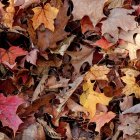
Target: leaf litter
<point>70,69</point>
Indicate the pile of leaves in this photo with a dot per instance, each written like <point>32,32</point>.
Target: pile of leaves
<point>69,69</point>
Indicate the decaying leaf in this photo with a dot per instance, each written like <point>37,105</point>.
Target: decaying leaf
<point>97,73</point>
<point>118,17</point>
<point>45,15</point>
<point>131,86</point>
<point>90,98</point>
<point>8,108</point>
<point>101,119</point>
<point>91,8</point>
<point>115,3</point>
<point>130,124</point>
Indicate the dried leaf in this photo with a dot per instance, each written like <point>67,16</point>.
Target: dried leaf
<point>118,17</point>
<point>101,119</point>
<point>132,109</point>
<point>131,86</point>
<point>90,98</point>
<point>45,15</point>
<point>130,124</point>
<point>8,15</point>
<point>97,73</point>
<point>91,8</point>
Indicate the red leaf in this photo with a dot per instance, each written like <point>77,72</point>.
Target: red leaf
<point>8,108</point>
<point>86,24</point>
<point>103,43</point>
<point>11,54</point>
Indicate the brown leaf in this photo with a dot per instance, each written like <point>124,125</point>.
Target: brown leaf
<point>91,8</point>
<point>118,17</point>
<point>49,39</point>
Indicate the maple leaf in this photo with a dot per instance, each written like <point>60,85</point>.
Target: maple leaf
<point>80,57</point>
<point>8,108</point>
<point>11,54</point>
<point>48,39</point>
<point>97,73</point>
<point>118,17</point>
<point>45,15</point>
<point>91,8</point>
<point>131,86</point>
<point>90,98</point>
<point>101,119</point>
<point>8,15</point>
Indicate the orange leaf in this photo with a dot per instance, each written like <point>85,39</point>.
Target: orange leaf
<point>11,54</point>
<point>101,119</point>
<point>103,43</point>
<point>45,15</point>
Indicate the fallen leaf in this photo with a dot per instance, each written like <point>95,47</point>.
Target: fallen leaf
<point>132,109</point>
<point>8,108</point>
<point>80,57</point>
<point>130,72</point>
<point>103,43</point>
<point>118,17</point>
<point>115,3</point>
<point>24,3</point>
<point>11,54</point>
<point>126,103</point>
<point>45,15</point>
<point>131,86</point>
<point>8,15</point>
<point>131,36</point>
<point>86,24</point>
<point>31,57</point>
<point>101,119</point>
<point>132,48</point>
<point>90,98</point>
<point>91,8</point>
<point>130,124</point>
<point>97,73</point>
<point>48,39</point>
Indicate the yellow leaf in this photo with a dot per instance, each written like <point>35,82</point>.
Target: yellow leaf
<point>131,86</point>
<point>97,73</point>
<point>90,98</point>
<point>45,15</point>
<point>9,14</point>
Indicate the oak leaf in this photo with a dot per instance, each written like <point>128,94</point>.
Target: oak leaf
<point>45,15</point>
<point>8,108</point>
<point>97,73</point>
<point>91,8</point>
<point>131,86</point>
<point>101,119</point>
<point>11,54</point>
<point>118,17</point>
<point>90,98</point>
<point>130,124</point>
